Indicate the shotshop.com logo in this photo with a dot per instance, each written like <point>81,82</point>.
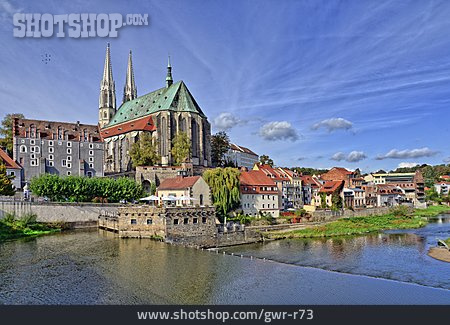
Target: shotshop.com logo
<point>74,25</point>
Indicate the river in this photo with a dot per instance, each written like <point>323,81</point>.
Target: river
<point>96,267</point>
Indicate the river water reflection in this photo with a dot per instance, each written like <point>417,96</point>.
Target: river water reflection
<point>96,267</point>
<point>396,254</point>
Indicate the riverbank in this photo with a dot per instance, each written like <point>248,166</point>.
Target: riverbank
<point>11,228</point>
<point>363,225</point>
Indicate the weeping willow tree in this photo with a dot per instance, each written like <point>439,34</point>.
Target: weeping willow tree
<point>224,184</point>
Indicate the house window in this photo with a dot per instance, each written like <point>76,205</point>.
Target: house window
<point>23,149</point>
<point>69,151</point>
<point>69,143</point>
<point>32,162</point>
<point>195,221</point>
<point>175,221</point>
<point>204,220</point>
<point>31,149</point>
<point>59,143</point>
<point>133,221</point>
<point>89,174</point>
<point>91,152</point>
<point>69,173</point>
<point>37,149</point>
<point>50,143</point>
<point>201,199</point>
<point>50,163</point>
<point>91,146</point>
<point>69,158</point>
<point>64,163</point>
<point>32,142</point>
<point>22,141</point>
<point>12,173</point>
<point>91,165</point>
<point>51,150</point>
<point>186,221</point>
<point>69,165</point>
<point>91,159</point>
<point>33,156</point>
<point>149,221</point>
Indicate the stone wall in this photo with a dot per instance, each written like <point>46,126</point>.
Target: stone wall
<point>325,215</point>
<point>78,213</point>
<point>141,222</point>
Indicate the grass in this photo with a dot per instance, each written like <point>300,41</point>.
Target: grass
<point>447,241</point>
<point>432,211</point>
<point>27,226</point>
<point>363,225</point>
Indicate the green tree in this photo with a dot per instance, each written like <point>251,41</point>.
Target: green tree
<point>6,133</point>
<point>224,184</point>
<point>181,148</point>
<point>144,152</point>
<point>6,186</point>
<point>265,160</point>
<point>220,144</point>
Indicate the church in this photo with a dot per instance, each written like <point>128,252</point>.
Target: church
<point>161,113</point>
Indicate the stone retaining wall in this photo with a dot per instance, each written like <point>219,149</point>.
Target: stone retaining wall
<point>327,215</point>
<point>77,213</point>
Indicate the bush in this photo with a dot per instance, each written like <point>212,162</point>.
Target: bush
<point>83,189</point>
<point>401,211</point>
<point>9,218</point>
<point>27,220</point>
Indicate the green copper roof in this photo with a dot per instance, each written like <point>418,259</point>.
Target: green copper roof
<point>176,98</point>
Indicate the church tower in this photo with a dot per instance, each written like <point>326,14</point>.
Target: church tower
<point>129,91</point>
<point>169,80</point>
<point>107,99</point>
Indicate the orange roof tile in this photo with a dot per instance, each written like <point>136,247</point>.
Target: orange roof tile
<point>8,161</point>
<point>178,183</point>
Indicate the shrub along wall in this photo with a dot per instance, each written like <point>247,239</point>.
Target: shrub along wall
<point>83,189</point>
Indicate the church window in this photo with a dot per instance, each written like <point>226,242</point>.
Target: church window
<point>23,148</point>
<point>105,114</point>
<point>194,137</point>
<point>163,137</point>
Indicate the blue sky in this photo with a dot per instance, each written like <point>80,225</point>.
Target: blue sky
<point>310,83</point>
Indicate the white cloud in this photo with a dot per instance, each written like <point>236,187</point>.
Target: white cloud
<point>333,124</point>
<point>407,153</point>
<point>226,121</point>
<point>278,131</point>
<point>407,164</point>
<point>353,156</point>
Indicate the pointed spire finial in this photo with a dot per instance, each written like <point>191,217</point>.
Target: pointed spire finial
<point>130,90</point>
<point>169,80</point>
<point>107,98</point>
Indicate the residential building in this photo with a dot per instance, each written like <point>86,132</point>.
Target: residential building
<point>12,169</point>
<point>57,148</point>
<point>412,184</point>
<point>442,187</point>
<point>354,198</point>
<point>259,194</point>
<point>288,183</point>
<point>390,195</point>
<point>193,187</point>
<point>327,191</point>
<point>370,191</point>
<point>339,174</point>
<point>241,156</point>
<point>310,188</point>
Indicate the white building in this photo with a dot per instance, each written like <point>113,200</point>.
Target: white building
<point>241,156</point>
<point>442,188</point>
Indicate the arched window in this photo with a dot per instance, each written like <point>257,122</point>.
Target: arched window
<point>194,137</point>
<point>60,133</point>
<point>163,136</point>
<point>201,199</point>
<point>23,149</point>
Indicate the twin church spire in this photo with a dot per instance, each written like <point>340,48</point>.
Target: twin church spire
<point>107,99</point>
